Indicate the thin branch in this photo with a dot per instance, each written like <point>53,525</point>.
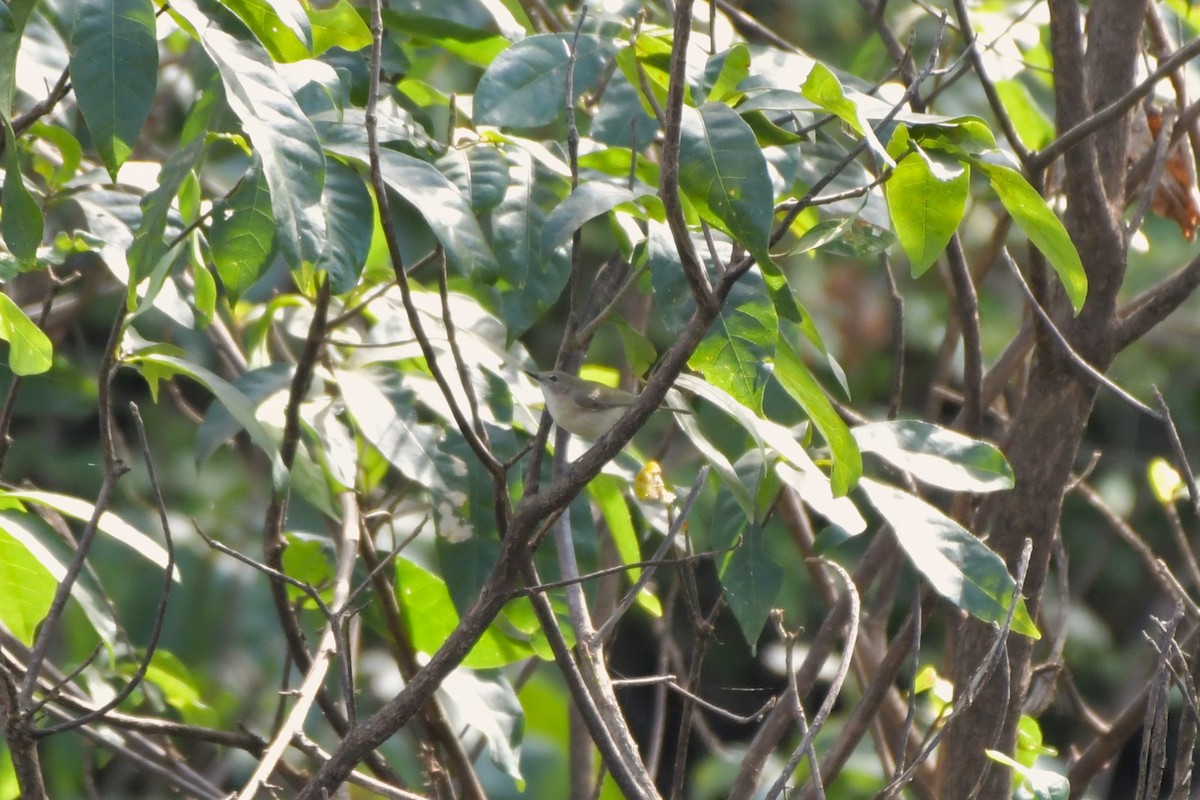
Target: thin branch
<point>139,673</point>
<point>321,660</point>
<point>967,303</point>
<point>1145,311</point>
<point>978,678</point>
<point>667,543</point>
<point>113,470</point>
<point>1073,358</point>
<point>668,187</point>
<point>1181,459</point>
<point>1041,159</point>
<point>834,689</point>
<point>966,30</point>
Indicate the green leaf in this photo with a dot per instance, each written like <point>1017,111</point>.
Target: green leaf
<point>21,223</point>
<point>793,376</point>
<point>30,351</point>
<point>350,217</point>
<point>282,135</point>
<point>823,88</point>
<point>526,85</point>
<point>431,617</point>
<point>114,73</point>
<point>219,425</point>
<point>589,200</point>
<point>281,25</point>
<point>96,611</point>
<point>957,565</point>
<point>937,456</point>
<point>472,45</point>
<point>485,701</point>
<point>1043,227</point>
<point>537,278</point>
<point>926,197</point>
<point>339,25</point>
<point>110,524</point>
<point>10,44</point>
<point>608,493</point>
<point>724,72</point>
<point>179,688</point>
<point>243,234</point>
<point>148,247</point>
<point>26,586</point>
<point>751,580</point>
<point>1033,125</point>
<point>161,364</point>
<point>479,171</point>
<point>735,353</point>
<point>723,172</point>
<point>439,202</point>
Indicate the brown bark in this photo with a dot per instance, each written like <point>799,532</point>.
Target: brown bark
<point>1046,431</point>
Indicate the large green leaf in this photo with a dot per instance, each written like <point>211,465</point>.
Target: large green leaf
<point>793,376</point>
<point>219,425</point>
<point>243,235</point>
<point>26,586</point>
<point>735,353</point>
<point>723,172</point>
<point>350,216</point>
<point>431,617</point>
<point>926,197</point>
<point>957,565</point>
<point>96,610</point>
<point>338,25</point>
<point>21,223</point>
<point>1043,227</point>
<point>282,135</point>
<point>724,72</point>
<point>114,73</point>
<point>525,86</point>
<point>751,580</point>
<point>937,456</point>
<point>439,202</point>
<point>30,351</point>
<point>537,278</point>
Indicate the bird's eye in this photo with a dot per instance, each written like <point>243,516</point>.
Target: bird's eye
<point>554,379</point>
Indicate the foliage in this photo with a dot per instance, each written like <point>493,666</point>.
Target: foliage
<point>349,232</point>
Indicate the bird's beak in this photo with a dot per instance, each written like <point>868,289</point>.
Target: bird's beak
<point>531,373</point>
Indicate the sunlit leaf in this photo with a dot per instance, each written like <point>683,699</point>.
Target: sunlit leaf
<point>1043,227</point>
<point>26,586</point>
<point>937,456</point>
<point>431,617</point>
<point>926,197</point>
<point>793,375</point>
<point>957,565</point>
<point>30,351</point>
<point>109,523</point>
<point>590,200</point>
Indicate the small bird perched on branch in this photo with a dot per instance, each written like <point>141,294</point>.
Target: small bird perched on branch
<point>585,408</point>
